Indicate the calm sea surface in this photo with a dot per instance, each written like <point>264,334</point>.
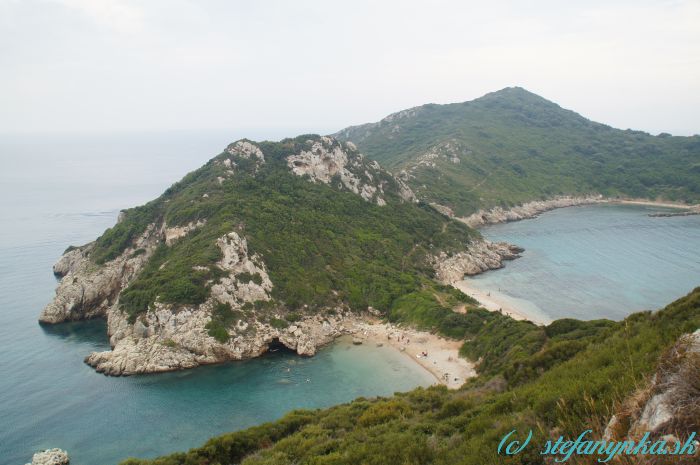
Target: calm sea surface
<point>603,261</point>
<point>60,191</point>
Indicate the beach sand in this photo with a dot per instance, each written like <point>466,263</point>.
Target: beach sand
<point>652,203</point>
<point>494,302</point>
<point>442,354</point>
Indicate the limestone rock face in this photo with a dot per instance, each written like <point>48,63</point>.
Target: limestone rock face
<point>481,256</point>
<point>526,210</point>
<point>179,340</point>
<point>240,151</point>
<point>87,290</point>
<point>168,338</point>
<point>236,261</point>
<point>245,149</point>
<point>176,232</point>
<point>50,457</point>
<point>329,159</point>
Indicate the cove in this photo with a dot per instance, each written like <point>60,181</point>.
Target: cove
<point>597,261</point>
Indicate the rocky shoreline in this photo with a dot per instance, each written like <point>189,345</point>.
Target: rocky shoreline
<point>168,339</point>
<point>535,208</point>
<point>481,256</point>
<point>527,210</point>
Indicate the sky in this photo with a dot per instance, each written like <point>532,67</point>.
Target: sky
<point>107,66</point>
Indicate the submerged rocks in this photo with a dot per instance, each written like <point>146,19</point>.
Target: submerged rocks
<point>481,256</point>
<point>526,210</point>
<point>50,457</point>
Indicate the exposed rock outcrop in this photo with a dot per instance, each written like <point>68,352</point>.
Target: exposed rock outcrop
<point>169,338</point>
<point>166,340</point>
<point>669,405</point>
<point>88,290</point>
<point>526,210</point>
<point>481,256</point>
<point>236,261</point>
<point>176,232</point>
<point>328,159</point>
<point>50,457</point>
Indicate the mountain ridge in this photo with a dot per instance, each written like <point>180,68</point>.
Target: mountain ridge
<point>512,146</point>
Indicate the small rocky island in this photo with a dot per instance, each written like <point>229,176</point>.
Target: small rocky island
<point>50,457</point>
<point>267,243</point>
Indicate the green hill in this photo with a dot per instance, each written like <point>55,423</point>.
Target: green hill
<point>321,244</point>
<point>269,241</point>
<point>512,146</point>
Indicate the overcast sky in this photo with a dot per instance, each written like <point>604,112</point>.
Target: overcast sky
<point>318,66</point>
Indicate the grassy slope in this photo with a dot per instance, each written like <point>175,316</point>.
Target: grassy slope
<point>573,390</point>
<point>515,146</point>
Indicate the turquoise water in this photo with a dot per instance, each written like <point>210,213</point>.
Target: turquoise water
<point>56,192</point>
<point>602,261</point>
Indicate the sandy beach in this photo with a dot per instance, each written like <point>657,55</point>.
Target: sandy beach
<point>442,359</point>
<point>652,203</point>
<point>496,303</point>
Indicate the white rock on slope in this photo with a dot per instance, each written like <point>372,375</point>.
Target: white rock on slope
<point>328,158</point>
<point>176,232</point>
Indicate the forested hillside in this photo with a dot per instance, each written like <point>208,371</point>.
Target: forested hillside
<point>512,146</point>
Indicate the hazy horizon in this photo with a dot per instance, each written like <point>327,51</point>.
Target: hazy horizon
<point>126,66</point>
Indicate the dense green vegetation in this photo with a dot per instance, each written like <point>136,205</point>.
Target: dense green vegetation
<point>322,246</point>
<point>514,146</point>
<point>576,388</point>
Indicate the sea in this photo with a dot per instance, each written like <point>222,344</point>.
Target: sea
<point>596,261</point>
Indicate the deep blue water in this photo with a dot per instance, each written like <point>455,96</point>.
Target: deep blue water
<point>60,191</point>
<point>602,261</point>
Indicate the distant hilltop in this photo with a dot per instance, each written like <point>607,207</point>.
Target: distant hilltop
<point>512,146</point>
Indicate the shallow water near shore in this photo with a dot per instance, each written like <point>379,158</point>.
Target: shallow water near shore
<point>596,261</point>
<point>60,193</point>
